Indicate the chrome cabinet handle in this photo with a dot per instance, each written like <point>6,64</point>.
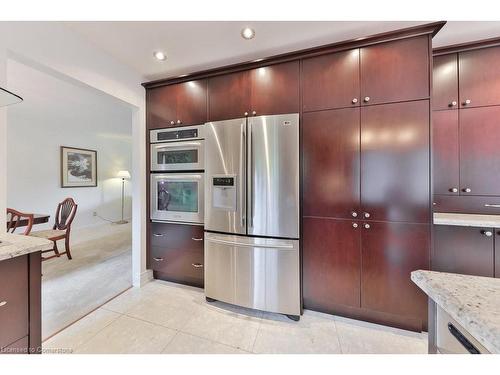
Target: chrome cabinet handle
<point>3,303</point>
<point>354,225</point>
<point>467,190</point>
<point>246,113</point>
<point>454,190</point>
<point>254,113</point>
<point>158,259</point>
<point>453,103</point>
<point>172,122</point>
<point>354,214</point>
<point>487,233</point>
<point>366,99</point>
<point>367,215</point>
<point>492,205</point>
<point>354,101</point>
<point>467,101</point>
<point>197,265</point>
<point>158,234</point>
<point>367,226</point>
<point>197,239</point>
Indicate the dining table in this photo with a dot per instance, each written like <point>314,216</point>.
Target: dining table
<point>37,219</point>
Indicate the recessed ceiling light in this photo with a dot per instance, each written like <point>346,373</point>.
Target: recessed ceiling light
<point>160,55</point>
<point>247,33</point>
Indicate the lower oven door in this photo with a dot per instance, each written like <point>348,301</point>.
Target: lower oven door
<point>177,197</point>
<point>258,273</point>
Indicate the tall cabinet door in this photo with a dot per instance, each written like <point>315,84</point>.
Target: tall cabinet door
<point>445,82</point>
<point>497,252</point>
<point>395,167</point>
<point>275,89</point>
<point>229,96</point>
<point>162,107</point>
<point>331,81</point>
<point>192,102</point>
<point>330,144</point>
<point>479,77</point>
<point>331,263</point>
<point>395,71</point>
<point>445,152</point>
<point>480,151</point>
<point>390,252</point>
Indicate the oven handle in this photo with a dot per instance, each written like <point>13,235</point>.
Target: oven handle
<point>175,145</point>
<point>185,177</point>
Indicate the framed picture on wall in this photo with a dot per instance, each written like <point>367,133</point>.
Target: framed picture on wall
<point>78,167</point>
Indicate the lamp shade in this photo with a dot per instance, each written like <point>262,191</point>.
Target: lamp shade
<point>123,174</point>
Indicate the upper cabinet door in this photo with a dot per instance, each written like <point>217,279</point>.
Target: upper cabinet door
<point>445,82</point>
<point>395,168</point>
<point>331,81</point>
<point>395,71</point>
<point>229,96</point>
<point>445,152</point>
<point>162,107</point>
<point>330,147</point>
<point>275,89</point>
<point>479,151</point>
<point>191,102</point>
<point>479,73</point>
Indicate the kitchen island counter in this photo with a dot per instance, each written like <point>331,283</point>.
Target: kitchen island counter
<point>473,301</point>
<point>14,245</point>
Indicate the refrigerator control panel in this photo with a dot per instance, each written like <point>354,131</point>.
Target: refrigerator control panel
<point>224,192</point>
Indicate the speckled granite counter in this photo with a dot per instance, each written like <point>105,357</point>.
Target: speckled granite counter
<point>14,245</point>
<point>467,220</point>
<point>472,301</point>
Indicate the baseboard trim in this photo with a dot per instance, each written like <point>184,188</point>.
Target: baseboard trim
<point>143,278</point>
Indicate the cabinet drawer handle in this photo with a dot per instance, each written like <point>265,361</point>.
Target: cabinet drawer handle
<point>354,101</point>
<point>366,99</point>
<point>172,122</point>
<point>197,239</point>
<point>254,113</point>
<point>158,259</point>
<point>487,233</point>
<point>492,205</point>
<point>3,303</point>
<point>467,101</point>
<point>454,190</point>
<point>467,190</point>
<point>453,103</point>
<point>158,234</point>
<point>197,265</point>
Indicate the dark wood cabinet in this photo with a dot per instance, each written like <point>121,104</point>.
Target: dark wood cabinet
<point>479,77</point>
<point>179,104</point>
<point>480,151</point>
<point>275,89</point>
<point>331,81</point>
<point>229,96</point>
<point>331,157</point>
<point>445,82</point>
<point>20,304</point>
<point>177,253</point>
<point>395,71</point>
<point>332,265</point>
<point>390,252</point>
<point>395,162</point>
<point>445,152</point>
<point>465,250</point>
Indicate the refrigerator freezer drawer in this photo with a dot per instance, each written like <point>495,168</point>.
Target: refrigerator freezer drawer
<point>258,273</point>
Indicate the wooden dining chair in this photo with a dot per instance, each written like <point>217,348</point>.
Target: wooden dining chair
<point>14,219</point>
<point>65,213</point>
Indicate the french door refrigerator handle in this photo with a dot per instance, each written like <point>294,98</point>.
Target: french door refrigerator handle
<point>246,244</point>
<point>251,174</point>
<point>243,161</point>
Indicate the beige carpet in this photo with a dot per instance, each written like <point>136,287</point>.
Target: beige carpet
<point>101,268</point>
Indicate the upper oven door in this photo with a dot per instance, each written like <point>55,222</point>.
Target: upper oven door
<point>177,197</point>
<point>178,156</point>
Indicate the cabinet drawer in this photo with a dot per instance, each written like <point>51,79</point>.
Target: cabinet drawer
<point>19,347</point>
<point>13,300</point>
<point>180,265</point>
<point>176,236</point>
<point>467,204</point>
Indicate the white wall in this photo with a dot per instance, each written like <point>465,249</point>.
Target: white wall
<point>56,113</point>
<point>55,47</point>
<point>3,141</point>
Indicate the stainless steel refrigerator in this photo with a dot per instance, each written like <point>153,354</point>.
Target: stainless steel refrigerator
<point>252,213</point>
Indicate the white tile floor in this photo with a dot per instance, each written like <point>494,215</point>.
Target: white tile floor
<point>169,318</point>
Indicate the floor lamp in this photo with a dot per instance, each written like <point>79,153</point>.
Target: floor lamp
<point>123,175</point>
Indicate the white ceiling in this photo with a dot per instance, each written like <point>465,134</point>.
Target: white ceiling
<point>193,46</point>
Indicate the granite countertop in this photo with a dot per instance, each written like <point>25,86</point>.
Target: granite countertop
<point>14,245</point>
<point>473,301</point>
<point>467,220</point>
